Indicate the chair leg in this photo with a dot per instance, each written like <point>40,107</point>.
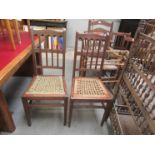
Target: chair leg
<point>15,22</point>
<point>27,111</point>
<point>65,110</point>
<point>70,113</point>
<point>107,112</point>
<point>8,27</point>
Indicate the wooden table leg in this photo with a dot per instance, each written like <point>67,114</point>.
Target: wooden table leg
<point>15,22</point>
<point>8,27</point>
<point>9,124</point>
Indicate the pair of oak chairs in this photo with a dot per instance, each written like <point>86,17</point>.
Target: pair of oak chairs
<point>89,55</point>
<point>53,87</point>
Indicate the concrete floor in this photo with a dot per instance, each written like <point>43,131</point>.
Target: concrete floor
<point>50,121</point>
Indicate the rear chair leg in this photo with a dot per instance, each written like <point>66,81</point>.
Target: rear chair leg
<point>27,111</point>
<point>70,112</point>
<point>107,112</point>
<point>65,110</point>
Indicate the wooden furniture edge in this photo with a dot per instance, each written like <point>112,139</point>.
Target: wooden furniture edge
<point>14,65</point>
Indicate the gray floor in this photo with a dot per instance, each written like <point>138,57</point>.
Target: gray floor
<point>50,121</point>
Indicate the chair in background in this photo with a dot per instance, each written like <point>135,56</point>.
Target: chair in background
<point>118,39</point>
<point>133,111</point>
<point>115,59</point>
<point>134,95</point>
<point>6,24</point>
<point>89,89</point>
<point>117,55</point>
<point>100,26</point>
<point>52,47</point>
<point>147,27</point>
<point>118,45</point>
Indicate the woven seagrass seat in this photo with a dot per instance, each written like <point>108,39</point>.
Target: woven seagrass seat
<point>47,85</point>
<point>89,88</point>
<point>48,59</point>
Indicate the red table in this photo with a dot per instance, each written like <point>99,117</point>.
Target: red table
<point>10,62</point>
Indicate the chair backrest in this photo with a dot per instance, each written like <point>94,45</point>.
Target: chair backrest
<point>143,52</point>
<point>137,91</point>
<point>118,39</point>
<point>100,25</point>
<point>137,85</point>
<point>89,53</point>
<point>146,28</point>
<point>149,29</point>
<point>49,52</point>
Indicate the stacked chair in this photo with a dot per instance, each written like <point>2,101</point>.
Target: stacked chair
<point>117,51</point>
<point>117,55</point>
<point>134,98</point>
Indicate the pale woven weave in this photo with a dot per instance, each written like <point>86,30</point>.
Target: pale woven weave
<point>88,87</point>
<point>47,85</point>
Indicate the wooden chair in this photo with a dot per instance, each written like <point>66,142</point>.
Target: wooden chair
<point>115,59</point>
<point>118,40</point>
<point>135,93</point>
<point>117,55</point>
<point>100,26</point>
<point>47,87</point>
<point>143,52</point>
<point>89,89</point>
<point>118,45</point>
<point>5,23</point>
<point>133,111</point>
<point>147,28</point>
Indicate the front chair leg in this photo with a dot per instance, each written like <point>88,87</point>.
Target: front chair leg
<point>65,110</point>
<point>70,112</point>
<point>107,112</point>
<point>27,111</point>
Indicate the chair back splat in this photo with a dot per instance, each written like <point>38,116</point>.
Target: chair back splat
<point>89,53</point>
<point>100,25</point>
<point>50,51</point>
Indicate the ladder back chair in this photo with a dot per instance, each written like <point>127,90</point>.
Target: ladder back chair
<point>143,52</point>
<point>148,29</point>
<point>89,89</point>
<point>117,55</point>
<point>134,104</point>
<point>118,39</point>
<point>100,27</point>
<point>49,80</point>
<point>134,100</point>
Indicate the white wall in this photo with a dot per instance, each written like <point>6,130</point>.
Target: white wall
<point>81,25</point>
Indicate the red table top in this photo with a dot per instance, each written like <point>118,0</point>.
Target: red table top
<point>7,54</point>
